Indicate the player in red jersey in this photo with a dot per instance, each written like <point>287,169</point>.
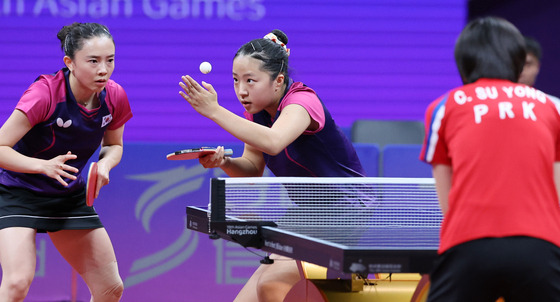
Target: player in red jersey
<point>494,146</point>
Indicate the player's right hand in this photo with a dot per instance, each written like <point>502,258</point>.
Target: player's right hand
<point>58,169</point>
<point>203,98</point>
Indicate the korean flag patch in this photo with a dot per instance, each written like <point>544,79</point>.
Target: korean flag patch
<point>106,120</point>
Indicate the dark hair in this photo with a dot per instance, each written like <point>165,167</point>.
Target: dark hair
<point>490,47</point>
<point>533,47</point>
<point>72,36</point>
<point>273,56</point>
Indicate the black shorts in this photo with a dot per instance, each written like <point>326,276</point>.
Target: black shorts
<point>515,268</point>
<point>25,208</point>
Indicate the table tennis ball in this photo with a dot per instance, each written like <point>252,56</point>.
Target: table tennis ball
<point>205,67</point>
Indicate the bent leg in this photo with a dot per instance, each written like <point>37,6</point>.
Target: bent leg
<point>271,282</point>
<point>91,254</point>
<point>249,291</point>
<point>278,279</point>
<point>18,259</point>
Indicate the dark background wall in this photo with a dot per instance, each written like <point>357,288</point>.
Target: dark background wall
<point>539,19</point>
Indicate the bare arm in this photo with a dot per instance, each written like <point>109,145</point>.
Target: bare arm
<point>109,156</point>
<point>291,123</point>
<point>11,132</point>
<point>443,175</point>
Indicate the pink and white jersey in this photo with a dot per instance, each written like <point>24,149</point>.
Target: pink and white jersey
<point>501,140</point>
<point>60,124</point>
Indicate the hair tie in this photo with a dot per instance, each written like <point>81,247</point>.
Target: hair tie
<point>272,37</point>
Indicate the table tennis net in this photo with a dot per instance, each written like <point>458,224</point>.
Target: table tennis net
<point>336,209</point>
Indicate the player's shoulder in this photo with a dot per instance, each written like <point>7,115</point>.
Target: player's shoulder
<point>442,99</point>
<point>48,86</point>
<point>52,79</point>
<point>115,91</point>
<point>553,98</point>
<point>300,89</point>
<point>555,101</point>
<point>441,103</point>
<point>462,94</point>
<point>299,93</point>
<point>114,86</point>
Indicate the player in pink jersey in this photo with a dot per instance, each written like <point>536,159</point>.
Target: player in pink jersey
<point>494,145</point>
<point>286,128</point>
<point>57,125</point>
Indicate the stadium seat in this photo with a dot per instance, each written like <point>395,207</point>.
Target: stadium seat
<point>383,132</point>
<point>403,161</point>
<point>369,157</point>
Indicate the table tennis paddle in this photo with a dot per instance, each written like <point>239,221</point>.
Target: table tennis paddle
<point>195,153</point>
<point>91,184</point>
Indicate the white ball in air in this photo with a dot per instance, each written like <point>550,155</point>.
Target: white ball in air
<point>205,67</point>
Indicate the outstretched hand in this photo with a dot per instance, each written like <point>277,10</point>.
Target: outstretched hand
<point>57,168</point>
<point>203,99</point>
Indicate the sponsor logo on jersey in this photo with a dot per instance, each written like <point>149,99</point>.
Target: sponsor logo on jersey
<point>61,123</point>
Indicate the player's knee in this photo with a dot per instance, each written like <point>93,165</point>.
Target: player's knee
<point>271,291</point>
<point>111,292</point>
<point>104,283</point>
<point>115,291</point>
<point>17,286</point>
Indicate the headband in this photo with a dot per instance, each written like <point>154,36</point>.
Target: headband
<point>272,37</point>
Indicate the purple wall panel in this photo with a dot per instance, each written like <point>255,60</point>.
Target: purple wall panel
<point>388,59</point>
<point>366,59</point>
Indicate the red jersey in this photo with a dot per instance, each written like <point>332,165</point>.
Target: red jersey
<point>501,140</point>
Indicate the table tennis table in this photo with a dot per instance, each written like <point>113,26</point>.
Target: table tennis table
<point>351,226</point>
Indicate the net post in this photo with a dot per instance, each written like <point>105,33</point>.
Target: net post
<point>217,200</point>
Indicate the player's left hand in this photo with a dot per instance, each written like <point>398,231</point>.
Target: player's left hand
<point>214,160</point>
<point>203,99</point>
<point>102,176</point>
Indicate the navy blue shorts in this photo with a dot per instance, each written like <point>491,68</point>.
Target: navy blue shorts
<point>515,268</point>
<point>24,208</point>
